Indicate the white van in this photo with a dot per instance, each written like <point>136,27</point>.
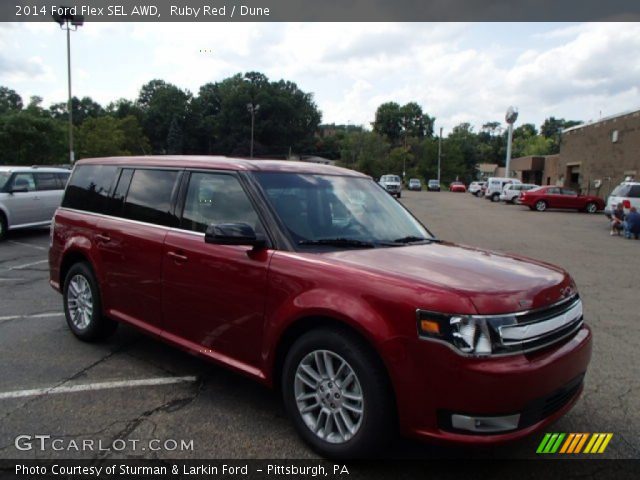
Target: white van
<point>495,186</point>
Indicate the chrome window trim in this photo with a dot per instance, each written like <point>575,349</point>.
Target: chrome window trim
<point>135,222</point>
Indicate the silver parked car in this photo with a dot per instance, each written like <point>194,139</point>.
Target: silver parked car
<point>29,196</point>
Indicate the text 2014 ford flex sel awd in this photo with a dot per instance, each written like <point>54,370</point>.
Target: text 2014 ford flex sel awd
<point>314,280</point>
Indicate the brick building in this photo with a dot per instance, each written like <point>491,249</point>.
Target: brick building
<point>597,156</point>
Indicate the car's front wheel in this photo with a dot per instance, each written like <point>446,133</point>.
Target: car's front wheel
<point>495,197</point>
<point>336,392</point>
<point>83,305</point>
<point>591,207</point>
<point>541,205</point>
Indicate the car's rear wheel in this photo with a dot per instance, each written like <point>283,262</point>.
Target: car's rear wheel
<point>399,195</point>
<point>83,305</point>
<point>4,227</point>
<point>541,205</point>
<point>336,392</point>
<point>495,197</point>
<point>591,207</point>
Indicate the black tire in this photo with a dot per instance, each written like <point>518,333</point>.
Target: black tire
<point>4,227</point>
<point>399,195</point>
<point>378,418</point>
<point>591,207</point>
<point>98,326</point>
<point>541,206</point>
<point>495,197</point>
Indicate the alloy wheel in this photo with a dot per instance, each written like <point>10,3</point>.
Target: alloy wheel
<point>329,396</point>
<point>80,302</point>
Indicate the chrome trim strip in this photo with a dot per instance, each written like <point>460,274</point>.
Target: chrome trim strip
<point>574,297</point>
<point>534,330</point>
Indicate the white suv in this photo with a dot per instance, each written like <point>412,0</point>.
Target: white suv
<point>392,184</point>
<point>627,193</point>
<point>495,186</point>
<point>29,196</point>
<point>511,191</point>
<point>475,188</point>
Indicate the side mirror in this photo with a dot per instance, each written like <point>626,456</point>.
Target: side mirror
<point>234,234</point>
<point>21,189</point>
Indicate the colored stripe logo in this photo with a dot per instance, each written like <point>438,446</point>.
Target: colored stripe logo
<point>574,443</point>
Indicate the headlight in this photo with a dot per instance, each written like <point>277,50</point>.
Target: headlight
<point>479,335</point>
<point>469,334</point>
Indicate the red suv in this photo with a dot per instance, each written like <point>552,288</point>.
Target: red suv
<point>312,279</point>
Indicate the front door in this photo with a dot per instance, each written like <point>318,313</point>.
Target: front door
<point>213,295</point>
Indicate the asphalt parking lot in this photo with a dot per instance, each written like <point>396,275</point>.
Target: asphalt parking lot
<point>218,414</point>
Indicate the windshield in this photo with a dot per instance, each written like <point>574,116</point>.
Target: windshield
<point>4,178</point>
<point>321,208</point>
<point>390,178</point>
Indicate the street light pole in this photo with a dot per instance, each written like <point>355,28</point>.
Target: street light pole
<point>253,108</point>
<point>439,152</point>
<point>69,106</point>
<point>69,22</point>
<point>510,117</point>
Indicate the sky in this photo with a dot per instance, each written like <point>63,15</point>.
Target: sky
<point>456,72</point>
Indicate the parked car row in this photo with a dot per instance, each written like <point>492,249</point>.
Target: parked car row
<point>511,190</point>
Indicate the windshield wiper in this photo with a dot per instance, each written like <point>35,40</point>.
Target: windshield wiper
<point>339,242</point>
<point>414,239</point>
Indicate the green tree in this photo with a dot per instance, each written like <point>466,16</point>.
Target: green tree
<point>161,104</point>
<point>10,101</point>
<point>82,109</point>
<point>109,136</point>
<point>388,121</point>
<point>29,138</point>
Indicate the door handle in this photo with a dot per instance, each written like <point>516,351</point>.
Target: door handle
<point>103,237</point>
<point>179,258</point>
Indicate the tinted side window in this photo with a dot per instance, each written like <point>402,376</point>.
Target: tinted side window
<point>216,198</point>
<point>553,191</point>
<point>24,180</point>
<point>634,191</point>
<point>566,191</point>
<point>47,181</point>
<point>149,197</point>
<point>90,187</point>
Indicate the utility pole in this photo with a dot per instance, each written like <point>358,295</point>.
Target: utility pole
<point>439,152</point>
<point>69,22</point>
<point>253,108</point>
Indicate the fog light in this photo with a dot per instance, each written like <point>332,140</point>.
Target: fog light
<point>485,424</point>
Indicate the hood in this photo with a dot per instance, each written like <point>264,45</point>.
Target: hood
<point>495,283</point>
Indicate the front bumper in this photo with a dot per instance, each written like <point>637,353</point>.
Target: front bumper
<point>435,382</point>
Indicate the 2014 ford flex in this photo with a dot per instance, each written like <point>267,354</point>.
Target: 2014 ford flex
<point>313,280</point>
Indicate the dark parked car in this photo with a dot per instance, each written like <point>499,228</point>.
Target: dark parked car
<point>311,279</point>
<point>433,186</point>
<point>543,198</point>
<point>415,184</point>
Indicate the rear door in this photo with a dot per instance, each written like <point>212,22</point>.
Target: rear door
<point>24,207</point>
<point>50,193</point>
<point>214,295</point>
<point>130,241</point>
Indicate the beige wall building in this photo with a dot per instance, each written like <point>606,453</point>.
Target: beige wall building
<point>597,156</point>
<point>538,169</point>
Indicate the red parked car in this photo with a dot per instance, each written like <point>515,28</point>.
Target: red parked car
<point>311,279</point>
<point>542,198</point>
<point>457,187</point>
